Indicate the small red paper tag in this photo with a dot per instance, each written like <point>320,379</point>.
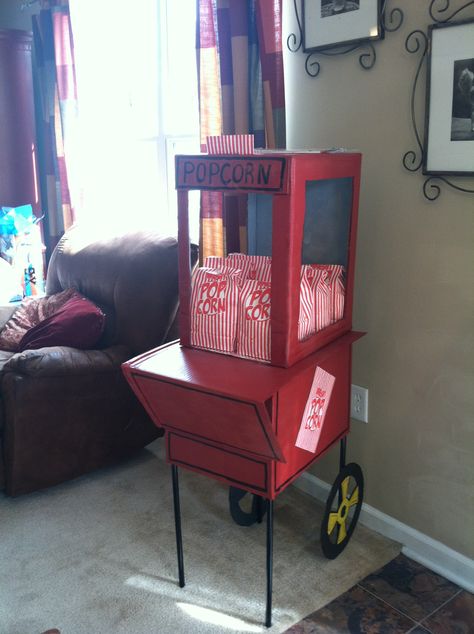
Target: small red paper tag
<point>315,410</point>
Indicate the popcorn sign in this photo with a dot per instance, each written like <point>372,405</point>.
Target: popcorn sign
<point>315,415</point>
<point>211,300</point>
<point>315,410</point>
<point>258,304</point>
<point>223,173</point>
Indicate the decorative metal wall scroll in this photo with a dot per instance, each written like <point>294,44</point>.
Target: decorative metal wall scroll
<point>447,148</point>
<point>339,27</point>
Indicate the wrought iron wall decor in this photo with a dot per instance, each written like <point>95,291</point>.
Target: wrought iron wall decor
<point>419,42</point>
<point>385,21</point>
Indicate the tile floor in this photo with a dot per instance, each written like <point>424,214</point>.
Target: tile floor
<point>401,597</point>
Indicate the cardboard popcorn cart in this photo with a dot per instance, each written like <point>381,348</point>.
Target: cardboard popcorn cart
<point>258,387</point>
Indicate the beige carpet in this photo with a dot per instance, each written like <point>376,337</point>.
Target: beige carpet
<point>97,556</point>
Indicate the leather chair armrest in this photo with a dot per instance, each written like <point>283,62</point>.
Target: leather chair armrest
<point>60,360</point>
<point>6,311</point>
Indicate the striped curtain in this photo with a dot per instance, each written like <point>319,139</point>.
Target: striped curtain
<point>241,90</point>
<point>56,116</point>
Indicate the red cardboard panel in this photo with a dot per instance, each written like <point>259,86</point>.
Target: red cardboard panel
<point>291,403</point>
<point>206,415</point>
<point>218,463</point>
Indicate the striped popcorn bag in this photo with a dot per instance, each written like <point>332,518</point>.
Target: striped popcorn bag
<point>253,336</point>
<point>322,300</point>
<point>214,304</point>
<point>237,261</point>
<point>307,314</point>
<point>339,296</point>
<point>335,281</point>
<point>214,262</point>
<point>315,301</point>
<point>254,267</point>
<point>315,410</point>
<point>231,144</point>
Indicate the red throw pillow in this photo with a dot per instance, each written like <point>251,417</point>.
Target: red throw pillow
<point>78,324</point>
<point>29,314</point>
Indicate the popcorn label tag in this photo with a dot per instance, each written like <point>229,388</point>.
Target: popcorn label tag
<point>315,410</point>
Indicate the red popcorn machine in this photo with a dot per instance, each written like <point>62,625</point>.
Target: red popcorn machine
<point>258,387</point>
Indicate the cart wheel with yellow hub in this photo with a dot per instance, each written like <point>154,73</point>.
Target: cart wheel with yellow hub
<point>342,510</point>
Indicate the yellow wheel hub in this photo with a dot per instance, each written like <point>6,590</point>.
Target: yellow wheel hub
<point>339,518</point>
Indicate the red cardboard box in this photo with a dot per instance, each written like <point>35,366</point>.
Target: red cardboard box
<point>308,202</point>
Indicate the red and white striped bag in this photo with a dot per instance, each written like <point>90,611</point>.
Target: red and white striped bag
<point>254,267</point>
<point>214,262</point>
<point>307,315</point>
<point>214,305</point>
<point>322,300</point>
<point>231,144</point>
<point>338,297</point>
<point>335,281</point>
<point>315,301</point>
<point>315,410</point>
<point>236,261</point>
<point>253,337</point>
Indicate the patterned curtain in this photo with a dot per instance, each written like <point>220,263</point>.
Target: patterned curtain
<point>241,90</point>
<point>56,115</point>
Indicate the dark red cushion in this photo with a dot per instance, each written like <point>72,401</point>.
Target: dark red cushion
<point>31,311</point>
<point>77,324</point>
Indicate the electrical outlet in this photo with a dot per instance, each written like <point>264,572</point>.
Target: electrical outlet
<point>360,403</point>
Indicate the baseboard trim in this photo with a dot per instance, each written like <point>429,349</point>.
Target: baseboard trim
<point>416,545</point>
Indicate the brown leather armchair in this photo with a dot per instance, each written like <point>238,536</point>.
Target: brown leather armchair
<point>65,412</point>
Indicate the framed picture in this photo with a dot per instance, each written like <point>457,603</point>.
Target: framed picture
<point>331,23</point>
<point>449,118</point>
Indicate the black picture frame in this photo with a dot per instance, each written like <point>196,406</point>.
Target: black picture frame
<point>331,24</point>
<point>449,131</point>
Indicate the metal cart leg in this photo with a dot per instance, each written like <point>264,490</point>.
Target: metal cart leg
<point>177,524</point>
<point>342,461</point>
<point>259,509</point>
<point>268,613</point>
<point>342,453</point>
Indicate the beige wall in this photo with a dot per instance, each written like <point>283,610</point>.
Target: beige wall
<point>414,291</point>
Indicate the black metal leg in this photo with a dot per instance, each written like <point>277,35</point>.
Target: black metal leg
<point>177,524</point>
<point>342,453</point>
<point>268,613</point>
<point>342,462</point>
<point>259,508</point>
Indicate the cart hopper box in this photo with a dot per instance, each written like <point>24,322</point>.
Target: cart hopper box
<point>301,212</point>
<point>238,421</point>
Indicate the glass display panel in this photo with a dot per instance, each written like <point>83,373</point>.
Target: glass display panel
<point>259,224</point>
<point>324,254</point>
<point>327,221</point>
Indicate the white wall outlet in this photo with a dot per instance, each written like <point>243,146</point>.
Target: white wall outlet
<point>360,403</point>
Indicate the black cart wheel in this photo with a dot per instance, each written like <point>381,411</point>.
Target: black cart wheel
<point>342,510</point>
<point>246,512</point>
